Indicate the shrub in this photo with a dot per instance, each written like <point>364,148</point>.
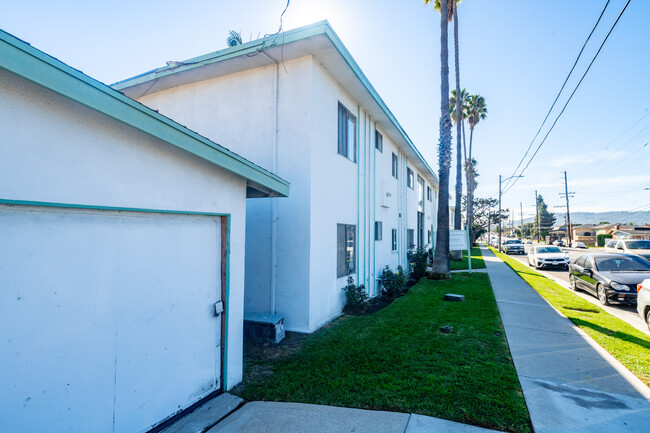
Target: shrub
<point>600,239</point>
<point>418,259</point>
<point>356,298</point>
<point>393,283</point>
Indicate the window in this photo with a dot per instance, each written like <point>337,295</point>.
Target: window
<point>429,237</point>
<point>410,181</point>
<point>420,194</point>
<point>394,240</point>
<point>429,193</point>
<point>345,249</point>
<point>347,134</point>
<point>410,238</point>
<point>394,166</point>
<point>378,235</point>
<point>379,141</point>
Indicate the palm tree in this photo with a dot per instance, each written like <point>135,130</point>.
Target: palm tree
<point>476,111</point>
<point>440,267</point>
<point>234,38</point>
<point>464,100</point>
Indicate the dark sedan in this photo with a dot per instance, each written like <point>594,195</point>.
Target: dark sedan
<point>610,277</point>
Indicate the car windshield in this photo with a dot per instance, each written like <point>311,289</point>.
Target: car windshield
<point>638,245</point>
<point>545,250</point>
<point>513,242</point>
<point>609,264</point>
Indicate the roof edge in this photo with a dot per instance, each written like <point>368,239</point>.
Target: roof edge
<point>20,58</point>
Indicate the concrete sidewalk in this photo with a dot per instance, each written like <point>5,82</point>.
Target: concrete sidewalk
<point>570,384</point>
<point>275,417</point>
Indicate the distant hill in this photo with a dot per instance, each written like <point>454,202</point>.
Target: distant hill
<point>638,218</point>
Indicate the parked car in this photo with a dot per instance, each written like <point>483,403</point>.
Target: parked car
<point>512,246</point>
<point>558,243</point>
<point>578,245</point>
<point>548,257</point>
<point>610,277</point>
<point>630,246</point>
<point>643,301</point>
<point>528,241</point>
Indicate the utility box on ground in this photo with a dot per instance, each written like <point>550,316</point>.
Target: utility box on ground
<point>264,327</point>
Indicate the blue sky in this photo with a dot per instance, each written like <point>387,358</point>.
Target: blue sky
<point>514,53</point>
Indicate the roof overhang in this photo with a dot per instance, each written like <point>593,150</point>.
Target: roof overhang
<point>318,40</point>
<point>20,58</point>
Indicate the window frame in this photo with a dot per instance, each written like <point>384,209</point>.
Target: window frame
<point>410,178</point>
<point>395,165</point>
<point>343,133</point>
<point>429,194</point>
<point>410,238</point>
<point>379,141</point>
<point>378,231</point>
<point>393,246</point>
<point>344,265</point>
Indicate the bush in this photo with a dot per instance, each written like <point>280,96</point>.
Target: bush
<point>356,298</point>
<point>600,239</point>
<point>393,283</point>
<point>418,259</point>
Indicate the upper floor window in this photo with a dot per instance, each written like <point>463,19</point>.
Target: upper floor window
<point>379,141</point>
<point>394,166</point>
<point>428,193</point>
<point>347,134</point>
<point>410,181</point>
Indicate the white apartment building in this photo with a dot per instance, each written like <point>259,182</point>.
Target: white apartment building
<point>298,104</point>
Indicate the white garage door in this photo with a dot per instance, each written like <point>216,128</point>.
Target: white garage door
<point>106,318</point>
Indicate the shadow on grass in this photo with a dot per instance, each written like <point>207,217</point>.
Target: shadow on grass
<point>616,334</point>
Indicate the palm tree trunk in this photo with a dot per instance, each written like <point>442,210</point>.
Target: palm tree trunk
<point>440,267</point>
<point>470,189</point>
<point>457,255</point>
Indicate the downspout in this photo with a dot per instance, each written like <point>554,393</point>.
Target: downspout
<point>365,200</point>
<point>374,214</point>
<point>274,203</point>
<point>358,155</point>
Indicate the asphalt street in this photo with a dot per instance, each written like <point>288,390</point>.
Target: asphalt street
<point>626,313</point>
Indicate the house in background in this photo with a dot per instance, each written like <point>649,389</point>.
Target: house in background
<point>298,103</point>
<point>585,233</point>
<point>121,254</point>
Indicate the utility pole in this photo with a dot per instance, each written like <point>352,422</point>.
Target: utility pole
<point>567,194</point>
<point>521,216</point>
<point>499,216</point>
<point>537,213</point>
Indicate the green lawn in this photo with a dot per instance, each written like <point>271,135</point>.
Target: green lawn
<point>477,261</point>
<point>398,360</point>
<point>628,345</point>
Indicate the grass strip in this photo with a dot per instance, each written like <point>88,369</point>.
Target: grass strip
<point>627,344</point>
<point>477,261</point>
<point>397,359</point>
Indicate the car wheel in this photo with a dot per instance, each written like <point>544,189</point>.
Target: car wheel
<point>572,283</point>
<point>602,296</point>
<point>647,318</point>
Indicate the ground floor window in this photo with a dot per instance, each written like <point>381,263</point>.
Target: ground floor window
<point>410,238</point>
<point>345,249</point>
<point>394,240</point>
<point>420,230</point>
<point>378,231</point>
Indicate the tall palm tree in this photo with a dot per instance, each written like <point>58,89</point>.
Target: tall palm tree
<point>476,111</point>
<point>234,38</point>
<point>440,267</point>
<point>464,100</point>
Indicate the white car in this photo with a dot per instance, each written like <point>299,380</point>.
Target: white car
<point>578,245</point>
<point>546,256</point>
<point>630,246</point>
<point>643,301</point>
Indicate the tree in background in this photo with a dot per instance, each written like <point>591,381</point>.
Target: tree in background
<point>486,215</point>
<point>233,39</point>
<point>440,267</point>
<point>476,111</point>
<point>546,219</point>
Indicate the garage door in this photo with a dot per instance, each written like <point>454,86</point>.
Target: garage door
<point>106,318</point>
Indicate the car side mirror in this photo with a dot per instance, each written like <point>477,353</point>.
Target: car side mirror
<point>619,247</point>
<point>588,271</point>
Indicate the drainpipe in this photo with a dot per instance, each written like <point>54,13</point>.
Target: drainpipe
<point>274,203</point>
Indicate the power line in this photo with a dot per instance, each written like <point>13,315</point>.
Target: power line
<point>570,97</point>
<point>561,89</point>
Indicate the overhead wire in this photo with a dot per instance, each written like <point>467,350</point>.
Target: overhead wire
<point>559,93</point>
<point>516,178</point>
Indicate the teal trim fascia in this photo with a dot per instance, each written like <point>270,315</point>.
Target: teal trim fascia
<point>226,307</point>
<point>254,47</point>
<point>33,65</point>
<point>106,208</point>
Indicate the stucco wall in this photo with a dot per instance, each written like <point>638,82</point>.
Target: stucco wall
<point>55,150</point>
